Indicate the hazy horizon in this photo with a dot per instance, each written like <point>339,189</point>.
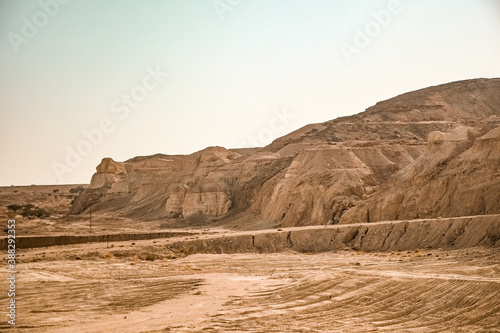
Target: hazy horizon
<point>93,79</point>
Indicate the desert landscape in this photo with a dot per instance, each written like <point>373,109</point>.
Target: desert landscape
<point>384,221</point>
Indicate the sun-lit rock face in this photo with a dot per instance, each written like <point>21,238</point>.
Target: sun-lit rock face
<point>107,165</point>
<point>457,178</point>
<point>428,153</point>
<point>213,203</point>
<point>109,172</point>
<point>184,202</point>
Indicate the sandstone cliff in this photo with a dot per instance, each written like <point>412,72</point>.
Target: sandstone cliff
<point>429,153</point>
<point>457,175</point>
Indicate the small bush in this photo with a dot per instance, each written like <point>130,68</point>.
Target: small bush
<point>14,207</point>
<point>196,219</point>
<point>78,189</point>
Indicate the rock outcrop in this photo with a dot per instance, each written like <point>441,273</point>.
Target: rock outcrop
<point>428,153</point>
<point>458,175</point>
<point>109,174</point>
<point>324,181</point>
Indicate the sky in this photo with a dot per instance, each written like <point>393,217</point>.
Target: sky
<point>82,80</point>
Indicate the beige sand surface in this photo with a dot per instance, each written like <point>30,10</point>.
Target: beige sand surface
<point>345,291</point>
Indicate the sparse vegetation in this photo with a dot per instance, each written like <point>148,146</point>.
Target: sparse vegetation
<point>196,219</point>
<point>14,207</point>
<point>28,210</point>
<point>78,189</point>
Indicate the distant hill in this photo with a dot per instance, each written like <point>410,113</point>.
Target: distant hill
<point>428,153</point>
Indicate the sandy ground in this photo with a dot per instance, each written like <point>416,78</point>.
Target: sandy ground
<point>346,291</point>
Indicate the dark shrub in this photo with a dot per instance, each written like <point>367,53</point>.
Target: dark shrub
<point>29,210</point>
<point>78,189</point>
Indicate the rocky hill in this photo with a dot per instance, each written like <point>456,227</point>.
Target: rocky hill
<point>428,153</point>
<point>457,175</point>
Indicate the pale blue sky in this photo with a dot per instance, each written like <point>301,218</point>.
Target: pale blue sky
<point>227,78</point>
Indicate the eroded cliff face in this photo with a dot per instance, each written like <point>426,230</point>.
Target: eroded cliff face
<point>457,175</point>
<point>324,181</point>
<point>313,185</point>
<point>427,153</point>
<point>210,182</point>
